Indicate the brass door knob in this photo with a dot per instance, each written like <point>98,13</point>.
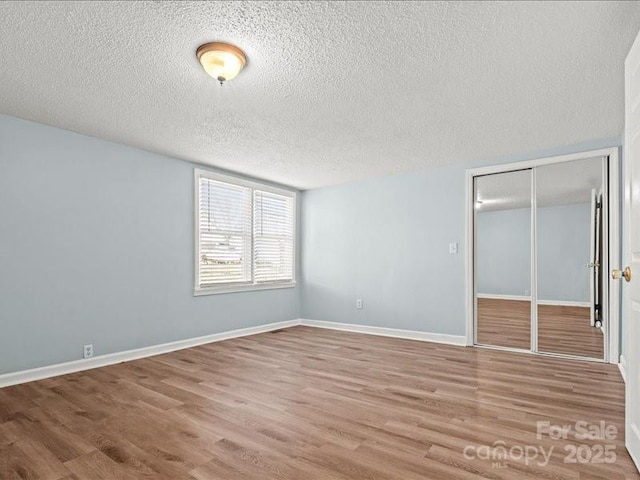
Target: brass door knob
<point>617,274</point>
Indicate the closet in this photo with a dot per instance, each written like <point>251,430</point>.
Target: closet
<point>540,257</point>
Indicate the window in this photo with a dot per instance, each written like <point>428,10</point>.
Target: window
<point>245,235</point>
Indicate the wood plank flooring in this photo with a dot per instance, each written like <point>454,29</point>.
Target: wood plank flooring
<point>311,404</point>
<point>504,323</point>
<point>568,330</point>
<point>561,329</point>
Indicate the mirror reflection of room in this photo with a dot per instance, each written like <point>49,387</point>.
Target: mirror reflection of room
<point>503,259</point>
<point>568,219</point>
<point>569,198</point>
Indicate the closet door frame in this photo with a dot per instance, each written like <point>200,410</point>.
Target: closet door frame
<point>612,242</point>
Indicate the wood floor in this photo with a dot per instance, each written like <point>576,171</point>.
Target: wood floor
<point>505,323</point>
<point>568,330</point>
<point>311,404</point>
<point>561,329</point>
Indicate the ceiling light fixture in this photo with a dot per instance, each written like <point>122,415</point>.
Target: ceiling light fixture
<point>222,61</point>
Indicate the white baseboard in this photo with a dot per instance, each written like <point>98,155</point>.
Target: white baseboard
<point>459,340</point>
<point>497,296</point>
<point>564,303</point>
<point>561,303</point>
<point>40,373</point>
<point>24,376</point>
<point>622,365</point>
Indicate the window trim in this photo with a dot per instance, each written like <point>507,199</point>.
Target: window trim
<point>236,286</point>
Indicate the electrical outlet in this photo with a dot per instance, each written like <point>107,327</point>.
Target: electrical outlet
<point>359,303</point>
<point>88,351</point>
<point>453,248</point>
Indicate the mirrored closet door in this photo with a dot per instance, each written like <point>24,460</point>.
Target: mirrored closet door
<point>503,259</point>
<point>540,243</point>
<point>569,240</point>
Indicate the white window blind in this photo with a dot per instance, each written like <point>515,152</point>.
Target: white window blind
<point>225,233</point>
<point>245,235</point>
<point>272,237</point>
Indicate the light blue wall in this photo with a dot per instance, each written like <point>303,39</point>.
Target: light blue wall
<point>503,252</point>
<point>386,240</point>
<point>564,248</point>
<point>96,246</point>
<point>69,201</point>
<point>563,241</point>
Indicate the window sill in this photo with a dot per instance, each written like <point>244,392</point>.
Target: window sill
<point>241,288</point>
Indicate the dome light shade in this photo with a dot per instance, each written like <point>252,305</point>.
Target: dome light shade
<point>222,61</point>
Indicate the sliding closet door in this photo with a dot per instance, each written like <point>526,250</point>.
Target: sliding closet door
<point>570,206</point>
<point>502,230</point>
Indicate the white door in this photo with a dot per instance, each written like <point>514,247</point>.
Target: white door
<point>631,348</point>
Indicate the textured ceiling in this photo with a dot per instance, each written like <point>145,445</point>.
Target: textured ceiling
<point>558,184</point>
<point>333,91</point>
